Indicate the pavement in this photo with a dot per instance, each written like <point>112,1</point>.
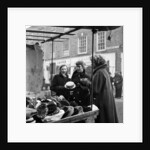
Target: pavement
<point>119,107</point>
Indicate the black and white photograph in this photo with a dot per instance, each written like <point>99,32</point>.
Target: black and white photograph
<point>74,74</point>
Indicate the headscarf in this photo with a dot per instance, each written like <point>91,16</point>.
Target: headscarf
<point>98,60</point>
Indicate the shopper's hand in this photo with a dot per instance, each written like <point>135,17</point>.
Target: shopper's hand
<point>61,97</point>
<point>85,81</point>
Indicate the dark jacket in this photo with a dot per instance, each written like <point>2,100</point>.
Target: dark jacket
<point>103,93</point>
<point>77,76</point>
<point>58,83</point>
<point>118,81</point>
<point>82,93</point>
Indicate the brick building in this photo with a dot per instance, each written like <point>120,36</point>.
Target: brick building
<point>79,47</point>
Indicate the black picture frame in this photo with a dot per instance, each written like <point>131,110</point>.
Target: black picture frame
<point>146,112</point>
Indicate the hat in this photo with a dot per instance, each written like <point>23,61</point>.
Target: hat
<point>52,107</point>
<point>54,117</point>
<point>86,108</point>
<point>45,100</point>
<point>55,100</point>
<point>79,110</point>
<point>80,62</point>
<point>38,103</point>
<point>73,103</point>
<point>42,110</point>
<point>64,103</point>
<point>76,111</point>
<point>94,107</point>
<point>70,85</point>
<point>69,110</point>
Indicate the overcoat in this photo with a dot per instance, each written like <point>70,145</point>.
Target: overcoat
<point>82,93</point>
<point>103,95</point>
<point>58,83</point>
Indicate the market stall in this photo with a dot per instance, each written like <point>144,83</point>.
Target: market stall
<point>88,113</point>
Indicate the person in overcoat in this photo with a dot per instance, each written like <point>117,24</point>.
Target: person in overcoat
<point>118,83</point>
<point>103,93</point>
<point>59,81</point>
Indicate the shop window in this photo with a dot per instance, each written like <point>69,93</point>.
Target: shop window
<point>82,44</point>
<point>101,41</point>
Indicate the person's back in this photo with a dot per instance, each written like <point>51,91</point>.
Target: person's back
<point>103,92</point>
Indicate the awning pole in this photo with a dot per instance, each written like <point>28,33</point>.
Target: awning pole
<point>91,99</point>
<point>52,61</point>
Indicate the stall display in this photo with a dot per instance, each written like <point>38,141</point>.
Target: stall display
<point>53,111</point>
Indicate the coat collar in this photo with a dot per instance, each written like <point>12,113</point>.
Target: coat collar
<point>63,76</point>
<point>79,73</point>
<point>100,67</point>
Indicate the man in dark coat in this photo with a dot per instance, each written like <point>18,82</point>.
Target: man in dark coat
<point>118,82</point>
<point>103,93</point>
<point>82,92</point>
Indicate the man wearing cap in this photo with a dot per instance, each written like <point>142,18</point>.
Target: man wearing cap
<point>83,95</point>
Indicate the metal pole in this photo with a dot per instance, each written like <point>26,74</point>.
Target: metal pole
<point>52,61</point>
<point>91,98</point>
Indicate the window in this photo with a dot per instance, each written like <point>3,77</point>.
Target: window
<point>82,44</point>
<point>101,40</point>
<point>66,47</point>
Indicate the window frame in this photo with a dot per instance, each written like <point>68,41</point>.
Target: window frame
<point>79,43</point>
<point>99,50</point>
<point>64,50</point>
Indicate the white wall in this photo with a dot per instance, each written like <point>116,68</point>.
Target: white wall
<point>46,72</point>
<point>122,63</point>
<point>111,57</point>
<point>34,69</point>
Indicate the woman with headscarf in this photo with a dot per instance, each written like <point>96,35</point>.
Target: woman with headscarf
<point>103,93</point>
<point>59,81</point>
